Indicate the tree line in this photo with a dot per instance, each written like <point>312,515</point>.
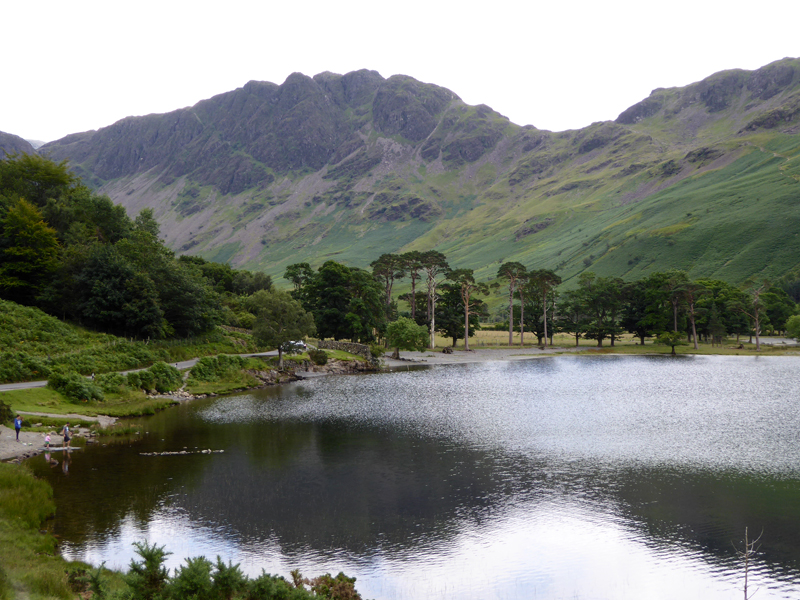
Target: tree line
<point>355,304</point>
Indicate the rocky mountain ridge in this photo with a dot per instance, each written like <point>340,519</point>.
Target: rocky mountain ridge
<point>351,166</point>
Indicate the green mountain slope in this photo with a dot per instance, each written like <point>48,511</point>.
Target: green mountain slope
<point>705,178</point>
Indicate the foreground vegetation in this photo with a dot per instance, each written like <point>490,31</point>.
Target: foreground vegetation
<point>30,566</point>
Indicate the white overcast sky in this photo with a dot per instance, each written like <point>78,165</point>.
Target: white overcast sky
<point>71,66</point>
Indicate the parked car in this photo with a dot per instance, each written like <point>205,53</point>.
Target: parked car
<point>294,347</point>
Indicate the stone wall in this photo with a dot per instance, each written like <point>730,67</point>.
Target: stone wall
<point>351,347</point>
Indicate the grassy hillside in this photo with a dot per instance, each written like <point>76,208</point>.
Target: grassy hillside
<point>703,178</point>
<point>33,343</point>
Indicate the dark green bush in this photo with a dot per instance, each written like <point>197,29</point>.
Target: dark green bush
<point>111,383</point>
<point>6,416</point>
<point>193,580</point>
<point>161,378</point>
<point>147,380</point>
<point>167,378</point>
<point>228,579</point>
<point>74,386</point>
<point>318,357</point>
<point>201,579</point>
<point>212,368</point>
<point>377,350</point>
<point>147,579</point>
<point>272,587</point>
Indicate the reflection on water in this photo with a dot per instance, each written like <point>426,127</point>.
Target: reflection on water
<point>562,477</point>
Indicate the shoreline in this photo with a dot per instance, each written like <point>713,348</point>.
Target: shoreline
<point>31,441</point>
<point>462,357</point>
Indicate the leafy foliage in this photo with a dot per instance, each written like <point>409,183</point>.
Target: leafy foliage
<point>29,252</point>
<point>199,578</point>
<point>793,326</point>
<point>281,319</point>
<point>347,303</point>
<point>671,339</point>
<point>318,357</point>
<point>75,386</point>
<point>211,368</point>
<point>6,416</point>
<point>404,334</point>
<point>76,254</point>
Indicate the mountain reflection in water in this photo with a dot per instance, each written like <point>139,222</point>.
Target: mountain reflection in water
<point>570,477</point>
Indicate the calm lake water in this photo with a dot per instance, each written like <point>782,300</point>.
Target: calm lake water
<point>564,477</point>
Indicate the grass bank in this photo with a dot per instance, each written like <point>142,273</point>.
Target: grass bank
<point>42,343</point>
<point>30,566</point>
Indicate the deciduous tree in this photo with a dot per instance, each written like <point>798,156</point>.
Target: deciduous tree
<point>29,251</point>
<point>405,334</point>
<point>280,319</point>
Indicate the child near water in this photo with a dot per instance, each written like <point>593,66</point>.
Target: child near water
<point>47,440</point>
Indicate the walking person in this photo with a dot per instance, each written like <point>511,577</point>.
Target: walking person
<point>18,425</point>
<point>67,438</point>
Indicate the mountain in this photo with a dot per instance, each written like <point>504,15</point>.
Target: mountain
<point>10,144</point>
<point>705,178</point>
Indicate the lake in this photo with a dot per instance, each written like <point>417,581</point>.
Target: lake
<point>560,477</point>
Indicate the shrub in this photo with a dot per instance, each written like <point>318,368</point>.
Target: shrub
<point>148,380</point>
<point>111,383</point>
<point>166,377</point>
<point>340,587</point>
<point>268,587</point>
<point>74,386</point>
<point>204,370</point>
<point>211,368</point>
<point>148,578</point>
<point>141,380</point>
<point>318,357</point>
<point>245,320</point>
<point>228,579</point>
<point>377,350</point>
<point>5,413</point>
<point>193,580</point>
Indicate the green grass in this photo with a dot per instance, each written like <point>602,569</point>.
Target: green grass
<point>45,400</point>
<point>41,342</point>
<point>29,564</point>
